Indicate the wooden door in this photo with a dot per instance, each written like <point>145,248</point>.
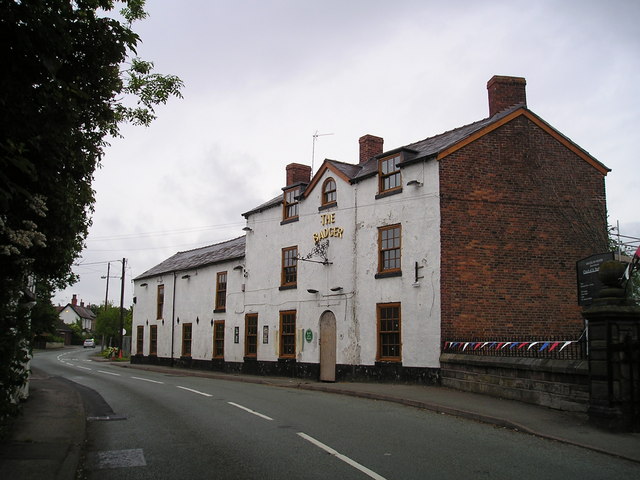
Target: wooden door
<point>328,347</point>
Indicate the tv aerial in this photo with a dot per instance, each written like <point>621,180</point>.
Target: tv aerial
<point>313,149</point>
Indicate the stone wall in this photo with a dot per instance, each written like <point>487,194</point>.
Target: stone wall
<point>558,384</point>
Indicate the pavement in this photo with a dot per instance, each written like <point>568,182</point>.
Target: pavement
<point>47,440</point>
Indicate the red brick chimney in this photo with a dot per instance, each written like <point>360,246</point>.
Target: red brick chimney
<point>82,303</point>
<point>298,173</point>
<point>370,146</point>
<point>74,300</point>
<point>505,92</point>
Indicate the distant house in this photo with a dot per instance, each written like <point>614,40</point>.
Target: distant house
<point>72,313</point>
<point>368,269</point>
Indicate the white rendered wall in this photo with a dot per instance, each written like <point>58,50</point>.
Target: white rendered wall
<point>354,263</point>
<point>353,256</point>
<point>417,210</point>
<point>69,316</point>
<point>194,303</point>
<point>264,262</point>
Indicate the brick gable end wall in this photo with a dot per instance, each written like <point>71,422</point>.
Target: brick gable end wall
<point>518,210</point>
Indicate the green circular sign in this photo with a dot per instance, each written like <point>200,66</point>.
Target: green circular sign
<point>308,335</point>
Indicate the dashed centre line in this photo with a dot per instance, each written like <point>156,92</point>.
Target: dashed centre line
<point>147,380</point>
<point>258,414</point>
<point>342,457</point>
<point>136,458</point>
<point>194,391</point>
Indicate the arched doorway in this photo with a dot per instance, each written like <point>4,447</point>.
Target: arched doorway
<point>328,347</point>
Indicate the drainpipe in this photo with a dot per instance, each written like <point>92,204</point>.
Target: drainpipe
<point>173,316</point>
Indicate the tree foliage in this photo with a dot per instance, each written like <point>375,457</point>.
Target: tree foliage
<point>69,69</point>
<point>43,315</point>
<point>108,321</point>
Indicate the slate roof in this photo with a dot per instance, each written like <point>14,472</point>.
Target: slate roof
<point>82,312</point>
<point>348,169</point>
<point>274,202</point>
<point>423,149</point>
<point>199,257</point>
<point>432,146</point>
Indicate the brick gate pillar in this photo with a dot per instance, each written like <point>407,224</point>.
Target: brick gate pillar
<point>614,354</point>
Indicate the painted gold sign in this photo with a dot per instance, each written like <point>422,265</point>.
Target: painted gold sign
<point>328,219</point>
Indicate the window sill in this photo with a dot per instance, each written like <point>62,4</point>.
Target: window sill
<point>389,274</point>
<point>289,220</point>
<point>388,193</point>
<point>287,287</point>
<point>327,206</point>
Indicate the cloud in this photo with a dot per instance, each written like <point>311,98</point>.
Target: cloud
<point>263,76</point>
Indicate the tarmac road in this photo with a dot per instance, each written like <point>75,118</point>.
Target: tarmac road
<point>147,424</point>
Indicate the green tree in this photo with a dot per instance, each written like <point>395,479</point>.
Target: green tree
<point>43,316</point>
<point>108,322</point>
<point>77,334</point>
<point>70,79</point>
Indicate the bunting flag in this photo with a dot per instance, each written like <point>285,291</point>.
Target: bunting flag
<point>565,344</point>
<point>541,345</point>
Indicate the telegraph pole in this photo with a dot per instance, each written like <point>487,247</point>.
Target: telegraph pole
<point>106,295</point>
<point>124,260</point>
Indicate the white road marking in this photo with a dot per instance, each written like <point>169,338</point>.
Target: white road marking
<point>147,380</point>
<point>342,457</point>
<point>110,373</point>
<point>84,368</point>
<point>250,411</point>
<point>194,391</point>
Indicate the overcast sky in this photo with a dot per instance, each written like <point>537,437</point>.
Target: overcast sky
<point>263,76</point>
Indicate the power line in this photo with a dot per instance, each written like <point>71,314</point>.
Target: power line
<point>126,236</point>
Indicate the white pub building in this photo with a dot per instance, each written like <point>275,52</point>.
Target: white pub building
<point>359,271</point>
<point>337,276</point>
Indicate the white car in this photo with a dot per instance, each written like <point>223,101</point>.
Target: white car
<point>89,342</point>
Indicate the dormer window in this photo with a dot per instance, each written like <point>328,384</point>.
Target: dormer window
<point>290,206</point>
<point>329,195</point>
<point>389,174</point>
